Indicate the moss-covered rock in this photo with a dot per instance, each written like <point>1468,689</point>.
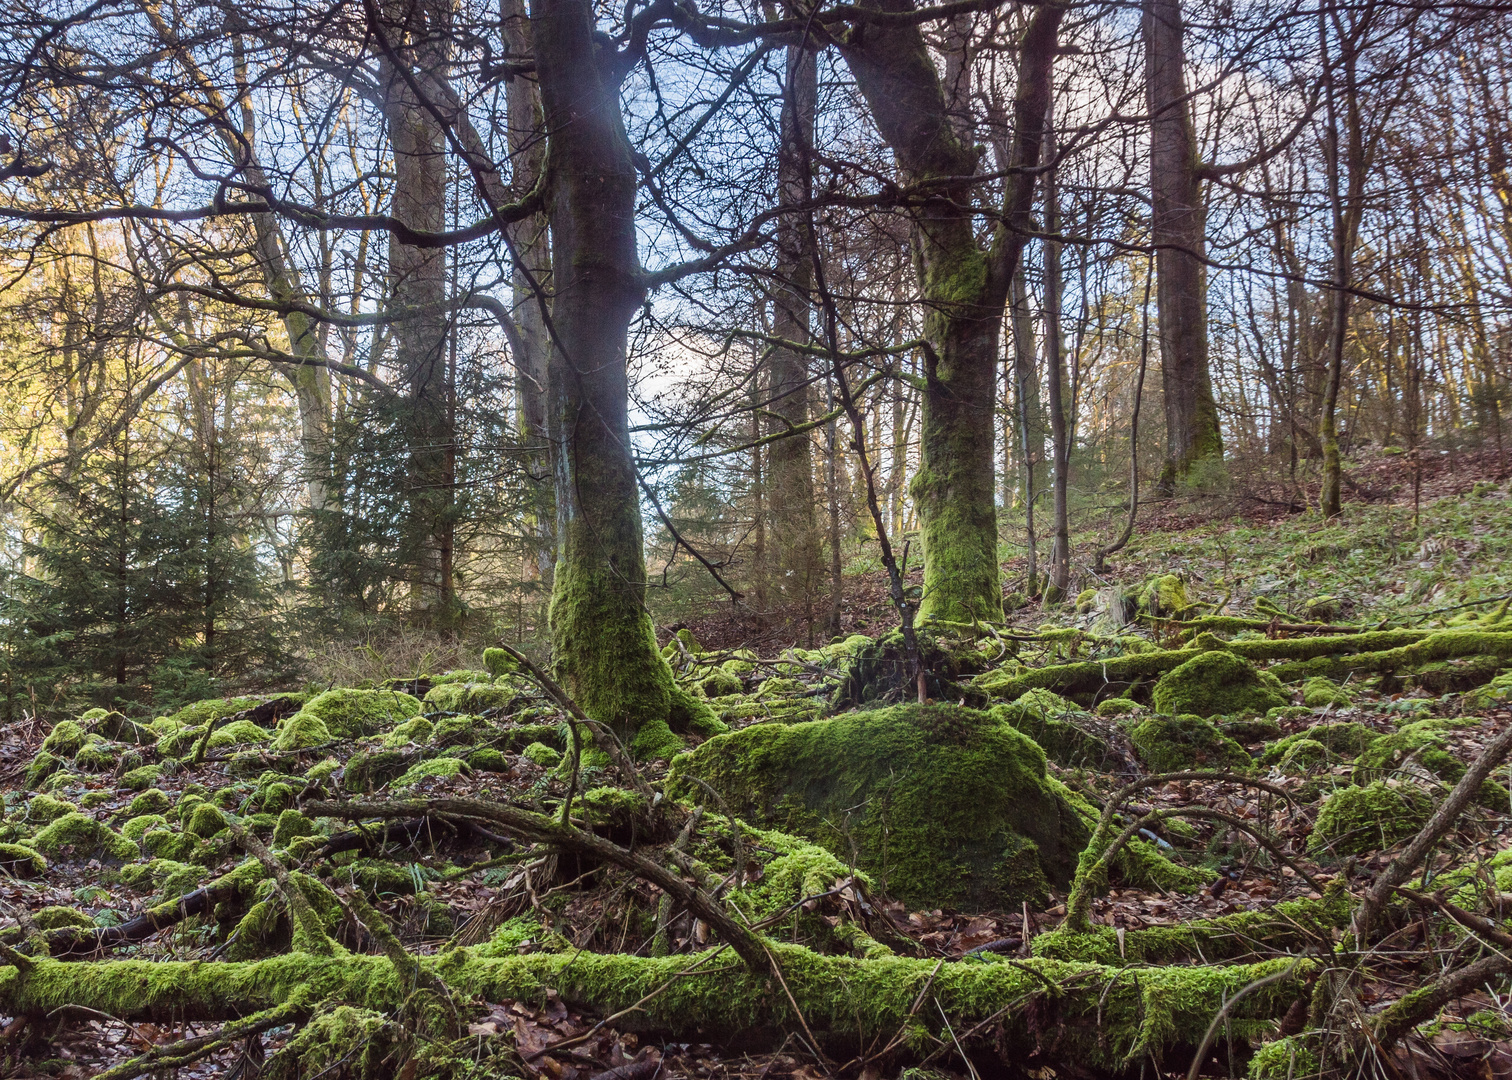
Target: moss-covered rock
<point>945,805</point>
<point>1060,728</point>
<point>1216,683</point>
<point>151,801</point>
<point>1303,756</point>
<point>719,683</point>
<point>207,820</point>
<point>415,730</point>
<point>1318,692</point>
<point>1251,729</point>
<point>210,710</point>
<point>21,861</point>
<point>44,809</point>
<point>1115,706</point>
<point>1173,744</point>
<point>1460,674</point>
<point>238,733</point>
<point>1424,743</point>
<point>1357,820</point>
<point>349,714</point>
<point>1164,596</point>
<point>135,828</point>
<point>42,766</point>
<point>487,759</point>
<point>456,730</point>
<point>141,779</point>
<point>499,663</point>
<point>542,755</point>
<point>441,767</point>
<point>291,823</point>
<point>1341,742</point>
<point>166,844</point>
<point>85,836</point>
<point>57,917</point>
<point>1496,692</point>
<point>470,697</point>
<point>95,757</point>
<point>66,739</point>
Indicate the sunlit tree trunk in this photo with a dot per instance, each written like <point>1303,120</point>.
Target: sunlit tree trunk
<point>1178,227</point>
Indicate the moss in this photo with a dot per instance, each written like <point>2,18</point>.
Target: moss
<point>151,801</point>
<point>135,827</point>
<point>91,799</point>
<point>85,836</point>
<point>1425,743</point>
<point>488,759</point>
<point>274,797</point>
<point>719,683</point>
<point>1318,692</point>
<point>1164,595</point>
<point>542,755</point>
<point>456,730</point>
<point>211,710</point>
<point>238,733</point>
<point>946,805</point>
<point>1343,742</point>
<point>21,861</point>
<point>742,662</point>
<point>360,1043</point>
<point>1357,820</point>
<point>688,714</point>
<point>470,697</point>
<point>1294,1057</point>
<point>1117,706</point>
<point>291,823</point>
<point>348,714</point>
<point>41,809</point>
<point>66,739</point>
<point>523,933</point>
<point>95,757</point>
<point>301,730</point>
<point>1397,651</point>
<point>164,876</point>
<point>1216,683</point>
<point>499,663</point>
<point>57,917</point>
<point>207,820</point>
<point>1458,675</point>
<point>416,730</point>
<point>1496,692</point>
<point>1052,722</point>
<point>378,877</point>
<point>141,779</point>
<point>612,806</point>
<point>1288,712</point>
<point>655,740</point>
<point>1251,730</point>
<point>42,766</point>
<point>441,767</point>
<point>1172,744</point>
<point>367,772</point>
<point>163,844</point>
<point>262,931</point>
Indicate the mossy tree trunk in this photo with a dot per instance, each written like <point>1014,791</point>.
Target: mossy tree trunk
<point>791,468</point>
<point>964,285</point>
<point>1178,227</point>
<point>602,636</point>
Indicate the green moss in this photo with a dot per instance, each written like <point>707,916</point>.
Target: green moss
<point>291,823</point>
<point>42,766</point>
<point>151,801</point>
<point>455,730</point>
<point>470,697</point>
<point>135,827</point>
<point>946,805</point>
<point>1164,595</point>
<point>1116,706</point>
<point>95,757</point>
<point>523,933</point>
<point>41,809</point>
<point>211,710</point>
<point>91,799</point>
<point>542,755</point>
<point>743,662</point>
<point>66,739</point>
<point>612,806</point>
<point>21,861</point>
<point>56,917</point>
<point>301,730</point>
<point>1342,742</point>
<point>499,663</point>
<point>1216,683</point>
<point>416,730</point>
<point>719,683</point>
<point>1318,692</point>
<point>348,714</point>
<point>141,779</point>
<point>262,931</point>
<point>441,767</point>
<point>1496,692</point>
<point>1292,1058</point>
<point>1252,730</point>
<point>361,1043</point>
<point>238,733</point>
<point>487,759</point>
<point>379,877</point>
<point>1058,726</point>
<point>1458,675</point>
<point>161,843</point>
<point>1357,820</point>
<point>163,875</point>
<point>85,836</point>
<point>207,820</point>
<point>655,740</point>
<point>1425,744</point>
<point>1173,744</point>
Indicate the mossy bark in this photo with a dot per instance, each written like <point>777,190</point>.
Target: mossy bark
<point>964,285</point>
<point>1087,1013</point>
<point>602,637</point>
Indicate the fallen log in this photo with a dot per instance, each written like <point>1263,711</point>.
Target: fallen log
<point>1056,1010</point>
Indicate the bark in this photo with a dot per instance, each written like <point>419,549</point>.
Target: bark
<point>416,30</point>
<point>964,285</point>
<point>530,243</point>
<point>1060,437</point>
<point>790,461</point>
<point>1178,228</point>
<point>602,637</point>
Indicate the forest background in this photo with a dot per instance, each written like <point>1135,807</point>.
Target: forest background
<point>297,387</point>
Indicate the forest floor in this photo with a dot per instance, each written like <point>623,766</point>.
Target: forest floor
<point>1381,645</point>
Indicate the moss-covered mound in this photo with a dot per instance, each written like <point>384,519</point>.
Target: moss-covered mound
<point>1174,743</point>
<point>1357,820</point>
<point>944,805</point>
<point>345,714</point>
<point>879,671</point>
<point>1216,683</point>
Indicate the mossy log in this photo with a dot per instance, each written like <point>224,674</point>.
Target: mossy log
<point>1089,1013</point>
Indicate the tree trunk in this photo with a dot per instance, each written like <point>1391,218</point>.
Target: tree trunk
<point>417,279</point>
<point>964,288</point>
<point>1029,419</point>
<point>1060,549</point>
<point>604,644</point>
<point>1178,228</point>
<point>790,461</point>
<point>530,242</point>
